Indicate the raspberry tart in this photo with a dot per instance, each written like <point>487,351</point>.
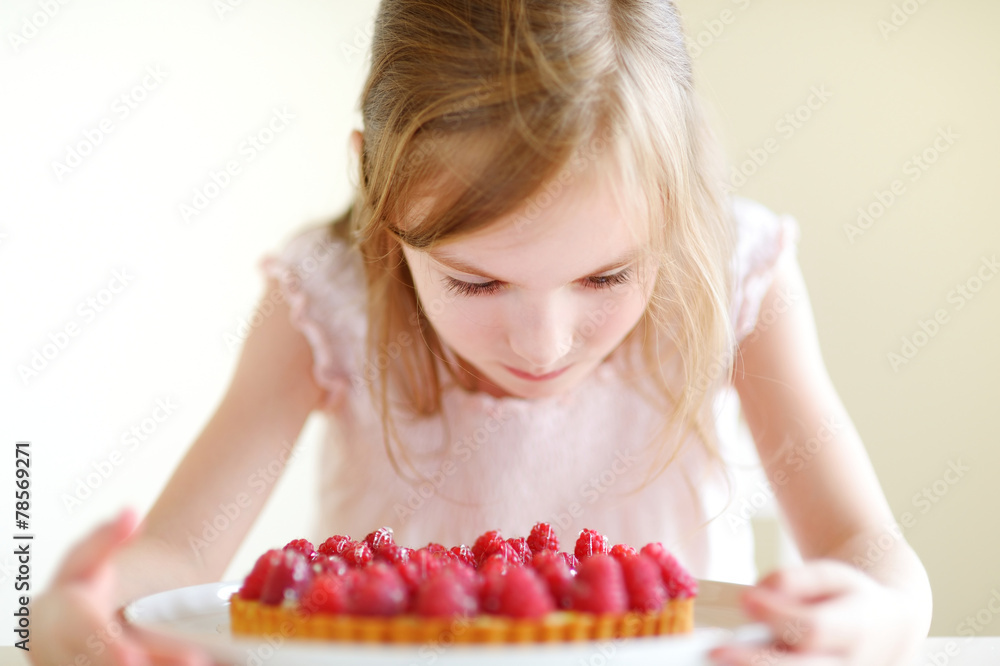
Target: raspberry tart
<point>518,590</point>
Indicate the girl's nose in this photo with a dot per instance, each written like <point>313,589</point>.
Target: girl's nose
<point>541,335</point>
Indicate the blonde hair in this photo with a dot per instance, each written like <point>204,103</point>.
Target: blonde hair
<point>487,103</point>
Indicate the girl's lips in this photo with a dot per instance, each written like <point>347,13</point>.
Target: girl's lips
<point>535,378</point>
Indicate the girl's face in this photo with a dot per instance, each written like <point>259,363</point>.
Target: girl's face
<point>531,306</point>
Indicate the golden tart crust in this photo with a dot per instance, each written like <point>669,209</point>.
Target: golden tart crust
<point>252,618</point>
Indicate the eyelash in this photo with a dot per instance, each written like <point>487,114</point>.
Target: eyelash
<point>488,288</point>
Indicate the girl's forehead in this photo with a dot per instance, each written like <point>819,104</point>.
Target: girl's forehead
<point>555,237</point>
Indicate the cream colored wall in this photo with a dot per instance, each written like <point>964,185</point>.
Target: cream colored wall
<point>895,80</point>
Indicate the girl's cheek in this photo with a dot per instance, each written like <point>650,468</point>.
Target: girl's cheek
<point>438,301</point>
<point>626,315</point>
<point>602,325</point>
<point>456,315</point>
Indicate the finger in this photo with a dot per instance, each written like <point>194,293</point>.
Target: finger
<point>128,653</point>
<point>94,549</point>
<point>166,651</point>
<point>130,649</point>
<point>743,655</point>
<point>180,657</point>
<point>813,580</point>
<point>106,640</point>
<point>825,626</point>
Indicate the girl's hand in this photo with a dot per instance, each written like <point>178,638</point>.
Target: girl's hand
<point>75,620</point>
<point>825,612</point>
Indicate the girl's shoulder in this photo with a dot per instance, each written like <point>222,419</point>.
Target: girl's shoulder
<point>759,230</point>
<point>764,239</point>
<point>322,280</point>
<point>313,252</point>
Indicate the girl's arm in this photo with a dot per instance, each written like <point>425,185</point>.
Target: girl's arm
<point>825,484</point>
<point>260,417</point>
<point>254,428</point>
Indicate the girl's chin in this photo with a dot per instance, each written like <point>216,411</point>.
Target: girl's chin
<point>513,387</point>
<point>500,382</point>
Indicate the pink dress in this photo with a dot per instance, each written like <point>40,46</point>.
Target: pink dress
<point>576,460</point>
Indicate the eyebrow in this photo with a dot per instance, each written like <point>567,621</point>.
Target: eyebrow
<point>455,263</point>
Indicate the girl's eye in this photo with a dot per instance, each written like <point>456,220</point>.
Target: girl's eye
<point>487,288</point>
<point>608,281</point>
<point>470,288</point>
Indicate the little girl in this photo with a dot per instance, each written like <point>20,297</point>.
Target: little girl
<point>542,306</point>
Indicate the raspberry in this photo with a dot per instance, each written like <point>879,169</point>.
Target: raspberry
<point>590,542</point>
<point>436,549</point>
<point>394,554</point>
<point>329,564</point>
<point>379,539</point>
<point>491,588</point>
<point>545,557</point>
<point>303,546</point>
<point>254,582</point>
<point>328,593</point>
<point>520,546</point>
<point>357,554</point>
<point>571,561</point>
<point>464,573</point>
<point>554,570</point>
<point>496,562</point>
<point>599,586</point>
<point>464,554</point>
<point>419,568</point>
<point>335,545</point>
<point>486,542</point>
<point>621,552</point>
<point>504,550</point>
<point>680,584</point>
<point>288,578</point>
<point>379,591</point>
<point>411,575</point>
<point>542,537</point>
<point>644,582</point>
<point>445,594</point>
<point>427,561</point>
<point>525,594</point>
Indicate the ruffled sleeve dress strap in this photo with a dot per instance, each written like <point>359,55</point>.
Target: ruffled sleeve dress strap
<point>765,241</point>
<point>323,284</point>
